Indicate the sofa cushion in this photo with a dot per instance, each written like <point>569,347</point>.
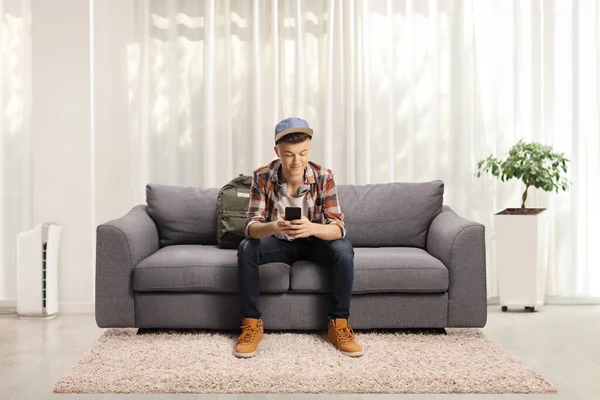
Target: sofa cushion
<point>386,269</point>
<point>183,215</point>
<point>198,268</point>
<point>390,214</point>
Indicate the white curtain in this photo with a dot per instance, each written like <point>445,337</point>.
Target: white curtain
<point>15,117</point>
<point>538,68</point>
<point>188,93</point>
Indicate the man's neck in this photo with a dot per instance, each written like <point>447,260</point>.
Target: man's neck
<point>291,182</point>
<point>292,185</point>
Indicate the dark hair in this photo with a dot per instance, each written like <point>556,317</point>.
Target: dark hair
<point>296,137</point>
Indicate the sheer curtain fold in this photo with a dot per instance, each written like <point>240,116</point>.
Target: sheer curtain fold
<point>15,137</point>
<point>396,91</point>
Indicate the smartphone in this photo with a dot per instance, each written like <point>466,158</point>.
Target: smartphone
<point>292,213</point>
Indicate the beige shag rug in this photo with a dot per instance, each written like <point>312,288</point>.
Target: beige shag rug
<point>461,361</point>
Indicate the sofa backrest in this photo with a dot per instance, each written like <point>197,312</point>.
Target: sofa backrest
<point>183,215</point>
<point>377,215</point>
<point>394,214</point>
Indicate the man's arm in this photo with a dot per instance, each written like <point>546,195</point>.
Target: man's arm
<point>256,226</point>
<point>257,210</point>
<point>333,228</point>
<point>327,232</point>
<point>261,230</point>
<point>332,211</point>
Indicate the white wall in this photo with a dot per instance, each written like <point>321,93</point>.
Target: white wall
<point>61,141</point>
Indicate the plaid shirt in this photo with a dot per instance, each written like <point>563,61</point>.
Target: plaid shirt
<point>265,194</point>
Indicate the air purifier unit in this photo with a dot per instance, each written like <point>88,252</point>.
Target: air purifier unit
<point>37,272</point>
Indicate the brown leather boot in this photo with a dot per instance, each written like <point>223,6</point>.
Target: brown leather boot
<point>252,334</point>
<point>342,336</point>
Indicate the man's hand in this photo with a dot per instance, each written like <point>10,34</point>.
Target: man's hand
<point>301,228</point>
<point>281,227</point>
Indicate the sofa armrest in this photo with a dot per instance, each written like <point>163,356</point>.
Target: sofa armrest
<point>460,245</point>
<point>120,245</point>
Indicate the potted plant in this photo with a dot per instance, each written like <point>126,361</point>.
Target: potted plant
<point>520,233</point>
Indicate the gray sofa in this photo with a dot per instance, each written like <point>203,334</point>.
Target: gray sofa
<point>417,265</point>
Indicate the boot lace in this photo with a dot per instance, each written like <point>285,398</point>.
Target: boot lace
<point>345,334</point>
<point>248,334</point>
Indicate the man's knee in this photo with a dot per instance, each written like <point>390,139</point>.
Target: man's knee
<point>249,247</point>
<point>342,248</point>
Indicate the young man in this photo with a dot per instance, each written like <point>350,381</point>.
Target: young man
<point>294,181</point>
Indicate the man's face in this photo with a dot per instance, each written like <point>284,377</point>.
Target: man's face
<point>294,157</point>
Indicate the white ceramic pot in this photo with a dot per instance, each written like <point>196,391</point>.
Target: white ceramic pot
<point>521,259</point>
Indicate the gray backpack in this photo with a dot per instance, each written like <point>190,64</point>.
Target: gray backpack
<point>232,204</point>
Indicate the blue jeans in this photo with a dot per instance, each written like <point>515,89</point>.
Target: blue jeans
<point>336,254</point>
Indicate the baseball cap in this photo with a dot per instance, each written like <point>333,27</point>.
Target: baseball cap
<point>291,125</point>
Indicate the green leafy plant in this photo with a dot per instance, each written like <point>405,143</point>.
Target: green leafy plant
<point>534,164</point>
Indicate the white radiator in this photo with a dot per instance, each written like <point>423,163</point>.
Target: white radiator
<point>37,271</point>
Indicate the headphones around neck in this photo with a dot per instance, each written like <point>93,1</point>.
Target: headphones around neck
<point>302,190</point>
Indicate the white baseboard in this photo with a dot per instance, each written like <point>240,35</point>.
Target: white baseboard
<point>77,308</point>
<point>9,306</point>
<point>556,300</point>
<point>572,300</point>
